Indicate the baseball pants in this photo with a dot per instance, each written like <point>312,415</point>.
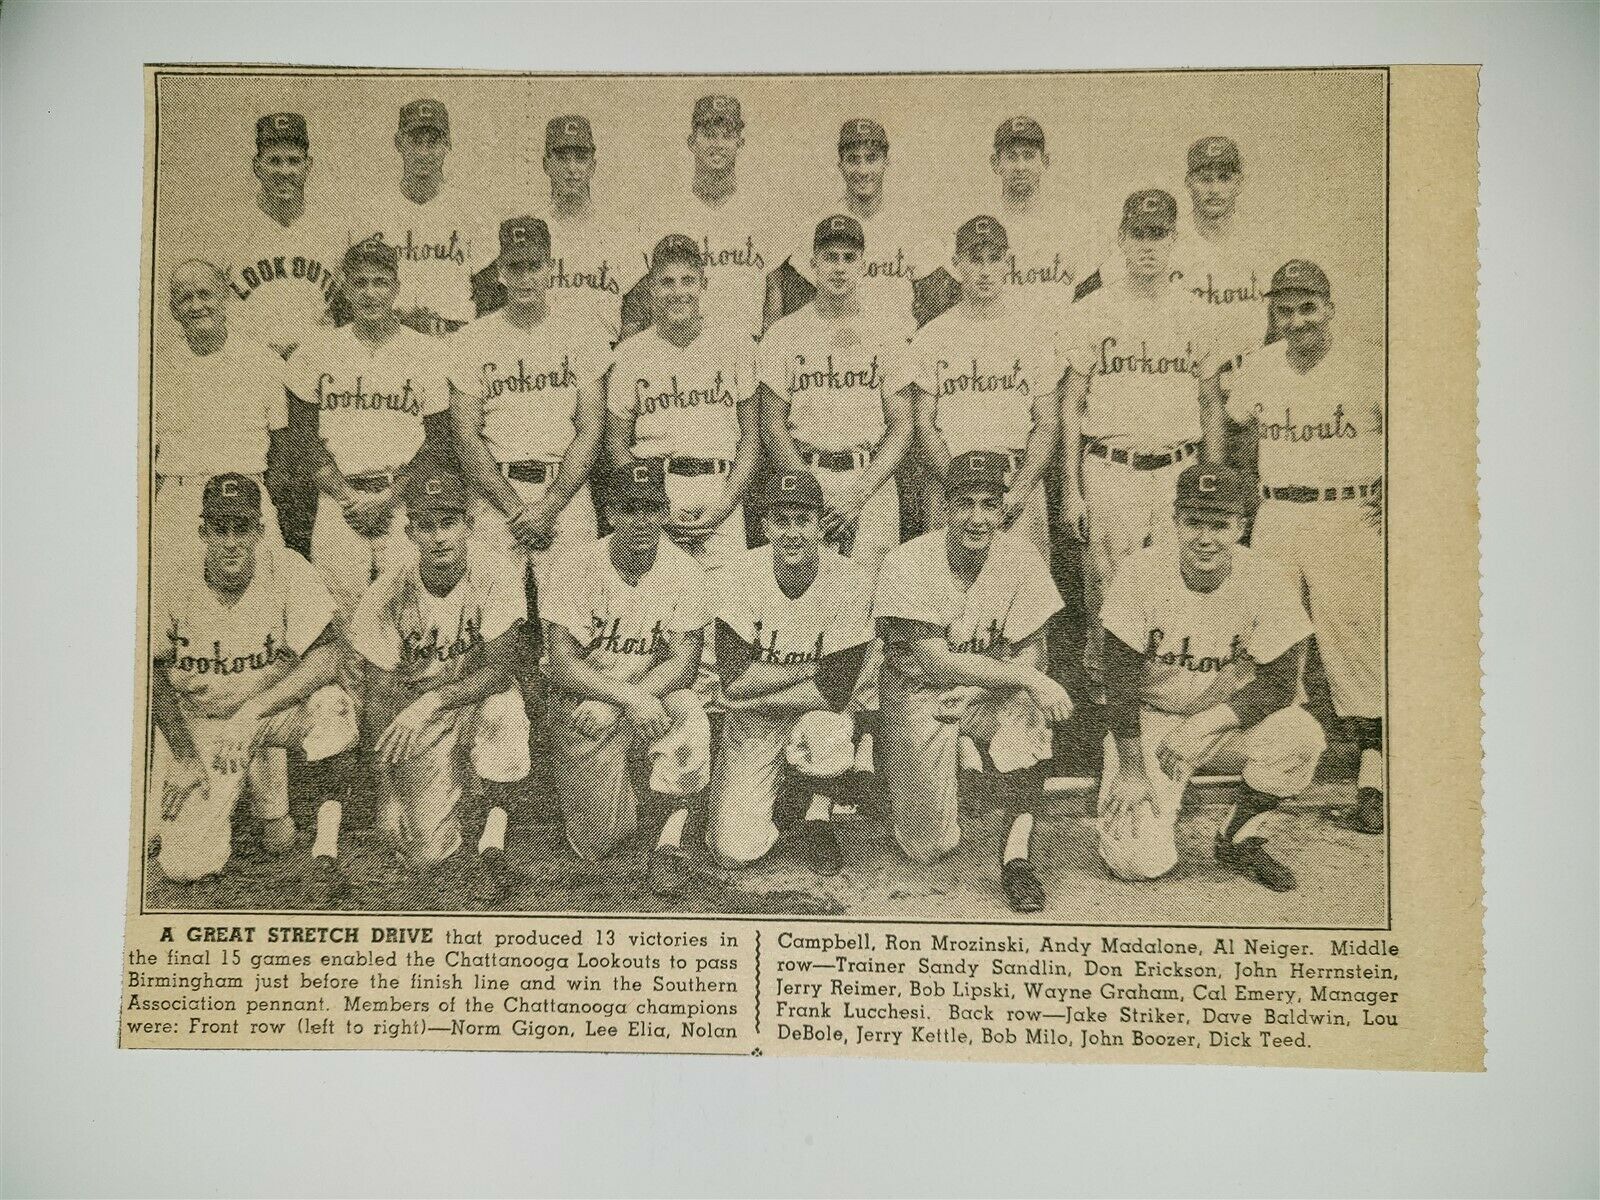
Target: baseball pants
<point>1336,550</point>
<point>175,544</point>
<point>698,492</point>
<point>492,535</point>
<point>594,776</point>
<point>877,533</point>
<point>196,842</point>
<point>1277,756</point>
<point>350,561</point>
<point>745,783</point>
<point>419,799</point>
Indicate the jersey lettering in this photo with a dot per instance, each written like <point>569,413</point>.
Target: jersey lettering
<point>827,375</point>
<point>1142,363</point>
<point>404,401</point>
<point>495,384</point>
<point>649,401</point>
<point>1181,657</point>
<point>606,636</point>
<point>974,380</point>
<point>1288,431</point>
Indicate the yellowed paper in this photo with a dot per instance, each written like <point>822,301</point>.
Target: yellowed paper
<point>441,902</point>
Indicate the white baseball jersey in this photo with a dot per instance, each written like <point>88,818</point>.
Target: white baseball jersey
<point>829,616</point>
<point>1231,276</point>
<point>528,379</point>
<point>401,626</point>
<point>1010,601</point>
<point>283,277</point>
<point>622,628</point>
<point>739,248</point>
<point>1144,359</point>
<point>983,374</point>
<point>441,244</point>
<point>214,412</point>
<point>371,401</point>
<point>898,253</point>
<point>1049,254</point>
<point>214,653</point>
<point>683,401</point>
<point>1202,647</point>
<point>834,375</point>
<point>1323,428</point>
<point>594,258</point>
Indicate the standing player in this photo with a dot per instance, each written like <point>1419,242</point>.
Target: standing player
<point>1130,408</point>
<point>961,612</point>
<point>625,622</point>
<point>1049,245</point>
<point>372,394</point>
<point>984,377</point>
<point>1203,650</point>
<point>792,633</point>
<point>245,663</point>
<point>1317,408</point>
<point>440,636</point>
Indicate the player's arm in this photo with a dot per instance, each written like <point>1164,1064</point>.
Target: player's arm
<point>946,668</point>
<point>744,462</point>
<point>1124,678</point>
<point>1040,450</point>
<point>619,437</point>
<point>477,464</point>
<point>775,424</point>
<point>899,427</point>
<point>1275,686</point>
<point>305,437</point>
<point>487,671</point>
<point>745,679</point>
<point>1074,394</point>
<point>299,677</point>
<point>1214,419</point>
<point>933,443</point>
<point>639,702</point>
<point>187,773</point>
<point>772,303</point>
<point>588,425</point>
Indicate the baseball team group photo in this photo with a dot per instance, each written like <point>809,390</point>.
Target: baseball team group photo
<point>951,498</point>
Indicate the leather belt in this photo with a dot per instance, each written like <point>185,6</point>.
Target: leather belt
<point>1310,495</point>
<point>530,471</point>
<point>371,481</point>
<point>1137,460</point>
<point>682,464</point>
<point>836,460</point>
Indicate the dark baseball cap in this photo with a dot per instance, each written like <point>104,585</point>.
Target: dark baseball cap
<point>1219,489</point>
<point>231,496</point>
<point>375,251</point>
<point>425,114</point>
<point>561,133</point>
<point>978,470</point>
<point>677,247</point>
<point>282,127</point>
<point>524,239</point>
<point>641,482</point>
<point>795,489</point>
<point>981,231</point>
<point>1018,129</point>
<point>862,131</point>
<point>433,490</point>
<point>711,109</point>
<point>841,230</point>
<point>1214,153</point>
<point>1150,209</point>
<point>1298,275</point>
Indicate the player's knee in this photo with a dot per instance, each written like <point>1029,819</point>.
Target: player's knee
<point>331,723</point>
<point>183,862</point>
<point>500,747</point>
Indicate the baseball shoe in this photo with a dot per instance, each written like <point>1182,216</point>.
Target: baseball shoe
<point>1365,815</point>
<point>819,844</point>
<point>325,883</point>
<point>1023,890</point>
<point>495,878</point>
<point>1250,857</point>
<point>277,835</point>
<point>669,870</point>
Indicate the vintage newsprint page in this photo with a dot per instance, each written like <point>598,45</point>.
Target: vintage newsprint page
<point>944,566</point>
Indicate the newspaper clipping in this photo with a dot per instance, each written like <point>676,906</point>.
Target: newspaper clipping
<point>943,566</point>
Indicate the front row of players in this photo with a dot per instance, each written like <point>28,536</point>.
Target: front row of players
<point>428,677</point>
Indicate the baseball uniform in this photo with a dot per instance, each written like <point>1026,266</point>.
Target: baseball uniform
<point>897,254</point>
<point>738,248</point>
<point>1011,600</point>
<point>1229,275</point>
<point>622,630</point>
<point>440,245</point>
<point>828,617</point>
<point>592,255</point>
<point>426,642</point>
<point>216,655</point>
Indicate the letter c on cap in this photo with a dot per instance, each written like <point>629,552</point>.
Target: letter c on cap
<point>719,103</point>
<point>1214,148</point>
<point>230,487</point>
<point>788,483</point>
<point>280,122</point>
<point>1292,271</point>
<point>434,487</point>
<point>572,129</point>
<point>981,225</point>
<point>519,234</point>
<point>1207,483</point>
<point>1018,124</point>
<point>837,225</point>
<point>1151,204</point>
<point>424,110</point>
<point>641,473</point>
<point>863,128</point>
<point>975,462</point>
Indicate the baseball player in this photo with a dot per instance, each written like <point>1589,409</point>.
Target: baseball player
<point>792,631</point>
<point>984,377</point>
<point>528,406</point>
<point>372,394</point>
<point>1203,649</point>
<point>625,622</point>
<point>1317,408</point>
<point>1130,407</point>
<point>219,409</point>
<point>245,663</point>
<point>1049,244</point>
<point>961,612</point>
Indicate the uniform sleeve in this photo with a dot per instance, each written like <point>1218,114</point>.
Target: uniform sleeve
<point>1072,343</point>
<point>1206,343</point>
<point>690,603</point>
<point>274,399</point>
<point>303,368</point>
<point>619,396</point>
<point>565,598</point>
<point>731,601</point>
<point>1236,387</point>
<point>915,365</point>
<point>592,350</point>
<point>436,385</point>
<point>373,632</point>
<point>1036,600</point>
<point>504,603</point>
<point>307,605</point>
<point>852,623</point>
<point>902,595</point>
<point>462,366</point>
<point>1123,611</point>
<point>772,361</point>
<point>1281,620</point>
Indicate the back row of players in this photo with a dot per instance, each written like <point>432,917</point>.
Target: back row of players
<point>1122,388</point>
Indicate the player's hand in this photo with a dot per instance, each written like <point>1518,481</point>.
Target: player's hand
<point>186,776</point>
<point>1075,514</point>
<point>401,740</point>
<point>647,716</point>
<point>594,718</point>
<point>240,739</point>
<point>369,513</point>
<point>534,526</point>
<point>1130,796</point>
<point>1052,699</point>
<point>839,519</point>
<point>1187,746</point>
<point>953,704</point>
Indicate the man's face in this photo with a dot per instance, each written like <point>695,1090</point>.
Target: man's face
<point>1302,317</point>
<point>975,515</point>
<point>862,166</point>
<point>838,268</point>
<point>1206,540</point>
<point>1147,251</point>
<point>526,280</point>
<point>282,168</point>
<point>570,169</point>
<point>371,289</point>
<point>422,151</point>
<point>981,271</point>
<point>230,547</point>
<point>795,534</point>
<point>1020,166</point>
<point>637,522</point>
<point>715,146</point>
<point>199,299</point>
<point>440,537</point>
<point>1214,191</point>
<point>676,287</point>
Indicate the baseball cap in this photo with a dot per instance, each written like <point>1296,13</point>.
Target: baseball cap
<point>524,239</point>
<point>425,114</point>
<point>434,490</point>
<point>561,133</point>
<point>1150,209</point>
<point>862,131</point>
<point>231,496</point>
<point>282,127</point>
<point>1018,129</point>
<point>839,229</point>
<point>1298,275</point>
<point>638,482</point>
<point>795,489</point>
<point>709,109</point>
<point>1219,489</point>
<point>981,231</point>
<point>1214,153</point>
<point>978,470</point>
<point>373,250</point>
<point>677,247</point>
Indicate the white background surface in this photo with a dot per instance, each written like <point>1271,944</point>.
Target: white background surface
<point>81,1117</point>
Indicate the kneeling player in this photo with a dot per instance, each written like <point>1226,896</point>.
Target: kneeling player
<point>792,632</point>
<point>1203,661</point>
<point>962,612</point>
<point>441,637</point>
